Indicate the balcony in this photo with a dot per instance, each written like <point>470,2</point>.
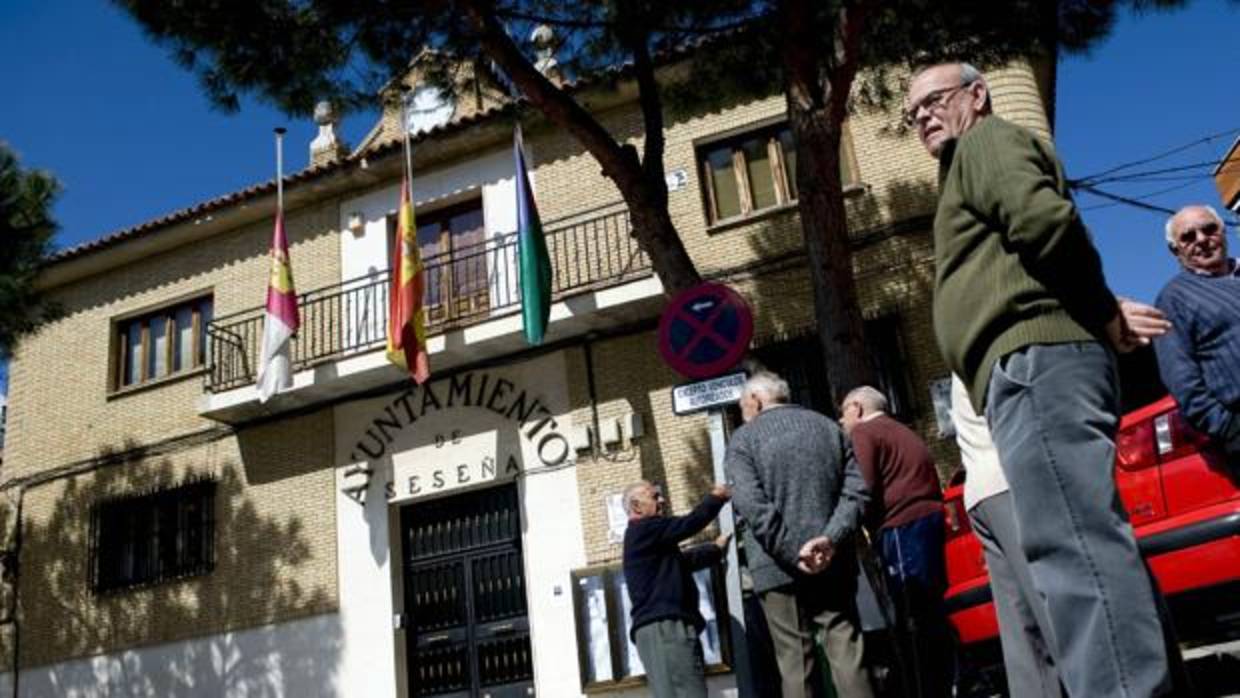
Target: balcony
<point>472,303</point>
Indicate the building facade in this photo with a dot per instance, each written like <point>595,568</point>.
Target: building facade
<point>359,535</point>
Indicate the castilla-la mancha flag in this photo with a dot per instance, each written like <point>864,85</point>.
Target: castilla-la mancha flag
<point>406,336</point>
<point>281,320</point>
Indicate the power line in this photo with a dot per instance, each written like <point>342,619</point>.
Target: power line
<point>1138,203</point>
<point>1160,156</point>
<point>1149,195</point>
<point>1135,176</point>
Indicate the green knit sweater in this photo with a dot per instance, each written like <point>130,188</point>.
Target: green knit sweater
<point>1015,265</point>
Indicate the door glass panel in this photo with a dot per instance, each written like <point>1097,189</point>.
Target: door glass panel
<point>157,359</point>
<point>758,166</point>
<point>183,347</point>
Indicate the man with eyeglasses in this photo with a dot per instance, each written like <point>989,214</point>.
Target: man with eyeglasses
<point>1023,315</point>
<point>1199,359</point>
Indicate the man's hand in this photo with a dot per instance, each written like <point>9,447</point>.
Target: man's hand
<point>1135,325</point>
<point>816,555</point>
<point>721,491</point>
<point>722,541</point>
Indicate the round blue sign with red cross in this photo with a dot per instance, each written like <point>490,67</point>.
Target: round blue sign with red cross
<point>705,330</point>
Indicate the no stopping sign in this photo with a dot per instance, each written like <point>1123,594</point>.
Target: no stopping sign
<point>705,330</point>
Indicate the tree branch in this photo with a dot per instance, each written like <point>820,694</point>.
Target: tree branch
<point>620,165</point>
<point>849,30</point>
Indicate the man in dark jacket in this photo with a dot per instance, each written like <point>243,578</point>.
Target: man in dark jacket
<point>666,621</point>
<point>800,492</point>
<point>1200,357</point>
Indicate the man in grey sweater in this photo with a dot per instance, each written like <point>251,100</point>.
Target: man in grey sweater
<point>800,492</point>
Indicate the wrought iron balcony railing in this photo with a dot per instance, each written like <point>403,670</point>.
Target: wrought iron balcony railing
<point>590,250</point>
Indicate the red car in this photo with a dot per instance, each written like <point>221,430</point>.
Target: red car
<point>1183,499</point>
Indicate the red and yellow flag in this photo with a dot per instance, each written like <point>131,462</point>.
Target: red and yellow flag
<point>406,336</point>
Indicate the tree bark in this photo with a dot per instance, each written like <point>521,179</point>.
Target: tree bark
<point>818,79</point>
<point>646,199</point>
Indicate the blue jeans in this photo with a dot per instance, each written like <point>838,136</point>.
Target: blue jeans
<point>916,578</point>
<point>1053,411</point>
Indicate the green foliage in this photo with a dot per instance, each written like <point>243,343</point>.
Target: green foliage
<point>26,230</point>
<point>292,53</point>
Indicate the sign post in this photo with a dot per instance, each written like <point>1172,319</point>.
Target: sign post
<point>705,331</point>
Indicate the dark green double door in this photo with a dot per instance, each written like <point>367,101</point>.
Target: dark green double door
<point>464,582</point>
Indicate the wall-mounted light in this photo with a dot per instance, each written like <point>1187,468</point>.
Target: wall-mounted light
<point>357,224</point>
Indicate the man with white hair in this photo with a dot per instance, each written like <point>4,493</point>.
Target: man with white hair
<point>906,518</point>
<point>799,490</point>
<point>1199,359</point>
<point>1023,315</point>
<point>666,621</point>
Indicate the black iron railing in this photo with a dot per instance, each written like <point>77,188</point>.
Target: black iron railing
<point>592,249</point>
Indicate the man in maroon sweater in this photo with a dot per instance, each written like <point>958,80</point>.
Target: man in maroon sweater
<point>906,517</point>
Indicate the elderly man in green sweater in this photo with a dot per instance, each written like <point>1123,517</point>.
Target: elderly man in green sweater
<point>1023,315</point>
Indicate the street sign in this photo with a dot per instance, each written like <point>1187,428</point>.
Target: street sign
<point>705,330</point>
<point>712,392</point>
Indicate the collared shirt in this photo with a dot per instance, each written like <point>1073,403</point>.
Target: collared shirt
<point>1233,265</point>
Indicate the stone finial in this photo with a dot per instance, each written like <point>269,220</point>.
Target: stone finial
<point>327,147</point>
<point>545,43</point>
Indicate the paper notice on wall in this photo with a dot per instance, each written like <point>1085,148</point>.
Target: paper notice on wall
<point>941,398</point>
<point>617,519</point>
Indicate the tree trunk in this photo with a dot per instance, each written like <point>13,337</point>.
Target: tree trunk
<point>646,199</point>
<point>817,96</point>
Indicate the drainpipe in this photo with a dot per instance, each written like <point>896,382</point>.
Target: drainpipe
<point>588,347</point>
<point>16,556</point>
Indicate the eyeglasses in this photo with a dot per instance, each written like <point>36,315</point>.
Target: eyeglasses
<point>934,100</point>
<point>1188,235</point>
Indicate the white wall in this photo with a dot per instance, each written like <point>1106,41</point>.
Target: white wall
<point>299,659</point>
<point>552,537</point>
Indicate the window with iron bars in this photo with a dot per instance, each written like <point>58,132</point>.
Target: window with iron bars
<point>153,538</point>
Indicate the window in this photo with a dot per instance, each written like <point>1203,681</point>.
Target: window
<point>754,171</point>
<point>607,656</point>
<point>882,334</point>
<point>799,361</point>
<point>153,538</point>
<point>451,242</point>
<point>163,343</point>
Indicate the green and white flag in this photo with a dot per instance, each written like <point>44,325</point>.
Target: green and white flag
<point>532,253</point>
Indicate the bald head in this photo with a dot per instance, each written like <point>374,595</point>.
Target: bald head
<point>1198,239</point>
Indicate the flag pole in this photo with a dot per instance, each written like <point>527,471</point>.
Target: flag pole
<point>280,131</point>
<point>404,127</point>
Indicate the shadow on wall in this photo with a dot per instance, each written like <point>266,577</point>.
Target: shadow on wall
<point>202,635</point>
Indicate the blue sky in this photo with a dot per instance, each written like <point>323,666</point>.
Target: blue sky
<point>131,137</point>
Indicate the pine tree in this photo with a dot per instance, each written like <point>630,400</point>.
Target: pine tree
<point>26,230</point>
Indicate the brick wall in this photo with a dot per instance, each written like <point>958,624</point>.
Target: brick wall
<point>276,546</point>
<point>275,549</point>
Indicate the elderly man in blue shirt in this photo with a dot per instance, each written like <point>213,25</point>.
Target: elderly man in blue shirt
<point>1199,359</point>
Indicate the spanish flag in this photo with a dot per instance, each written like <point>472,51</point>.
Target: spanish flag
<point>406,336</point>
<point>281,320</point>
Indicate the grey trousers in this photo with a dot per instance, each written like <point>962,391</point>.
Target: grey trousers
<point>791,618</point>
<point>1053,411</point>
<point>1024,629</point>
<point>672,655</point>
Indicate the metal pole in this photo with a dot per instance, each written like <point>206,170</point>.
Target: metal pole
<point>732,579</point>
<point>280,130</point>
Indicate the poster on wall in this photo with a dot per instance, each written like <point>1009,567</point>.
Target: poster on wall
<point>617,519</point>
<point>941,398</point>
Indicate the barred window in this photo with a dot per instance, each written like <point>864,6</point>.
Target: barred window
<point>162,343</point>
<point>153,538</point>
<point>755,171</point>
